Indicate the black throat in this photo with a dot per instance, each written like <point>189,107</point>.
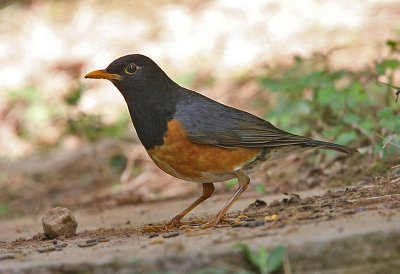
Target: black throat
<point>151,108</point>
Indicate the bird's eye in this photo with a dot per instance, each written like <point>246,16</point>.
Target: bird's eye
<point>131,68</point>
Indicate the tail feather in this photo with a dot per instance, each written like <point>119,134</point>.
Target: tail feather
<point>331,146</point>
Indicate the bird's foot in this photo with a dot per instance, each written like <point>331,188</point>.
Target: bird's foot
<point>172,225</point>
<point>148,229</point>
<point>218,220</point>
<point>191,226</point>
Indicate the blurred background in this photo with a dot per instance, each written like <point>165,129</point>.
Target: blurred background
<point>309,67</point>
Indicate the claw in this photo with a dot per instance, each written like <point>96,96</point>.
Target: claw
<point>171,226</point>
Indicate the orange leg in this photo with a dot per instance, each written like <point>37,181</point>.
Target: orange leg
<point>208,190</point>
<point>244,181</point>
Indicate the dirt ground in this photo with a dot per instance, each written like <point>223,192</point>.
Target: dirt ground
<point>108,234</point>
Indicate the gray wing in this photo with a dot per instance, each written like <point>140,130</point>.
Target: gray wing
<point>209,122</point>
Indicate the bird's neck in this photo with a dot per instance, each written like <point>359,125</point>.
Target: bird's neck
<point>150,112</point>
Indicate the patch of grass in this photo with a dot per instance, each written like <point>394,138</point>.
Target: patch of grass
<point>338,105</point>
<point>91,127</point>
<point>4,210</point>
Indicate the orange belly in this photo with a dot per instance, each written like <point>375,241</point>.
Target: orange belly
<point>180,157</point>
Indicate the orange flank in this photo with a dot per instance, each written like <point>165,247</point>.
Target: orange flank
<point>180,157</point>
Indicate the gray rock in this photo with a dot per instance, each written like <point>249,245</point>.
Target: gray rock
<point>59,221</point>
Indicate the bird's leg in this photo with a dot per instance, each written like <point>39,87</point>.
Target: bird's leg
<point>244,181</point>
<point>208,189</point>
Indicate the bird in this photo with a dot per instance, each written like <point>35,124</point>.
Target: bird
<point>195,138</point>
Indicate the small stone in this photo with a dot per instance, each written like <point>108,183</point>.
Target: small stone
<point>170,234</point>
<point>247,219</point>
<point>250,224</point>
<point>294,198</point>
<point>274,203</point>
<point>255,205</point>
<point>47,249</point>
<point>87,244</point>
<point>95,240</point>
<point>59,221</point>
<point>152,235</point>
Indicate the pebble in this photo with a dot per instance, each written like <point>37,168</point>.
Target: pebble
<point>169,235</point>
<point>59,221</point>
<point>352,211</point>
<point>93,241</point>
<point>274,203</point>
<point>86,244</point>
<point>48,249</point>
<point>61,245</point>
<point>250,224</point>
<point>152,235</point>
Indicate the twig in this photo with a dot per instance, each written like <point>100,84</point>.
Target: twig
<point>389,141</point>
<point>391,172</point>
<point>392,86</point>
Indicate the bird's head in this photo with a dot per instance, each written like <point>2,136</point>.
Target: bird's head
<point>132,72</point>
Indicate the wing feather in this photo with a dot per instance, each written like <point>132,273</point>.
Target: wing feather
<point>212,123</point>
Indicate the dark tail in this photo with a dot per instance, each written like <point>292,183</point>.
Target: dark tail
<point>326,145</point>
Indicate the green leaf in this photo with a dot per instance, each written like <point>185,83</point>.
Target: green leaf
<point>385,113</point>
<point>262,259</point>
<point>351,118</point>
<point>311,78</point>
<point>392,44</point>
<point>275,258</point>
<point>74,97</point>
<point>346,137</point>
<point>261,188</point>
<point>387,64</point>
<point>392,124</point>
<point>250,254</point>
<point>367,125</point>
<point>327,95</point>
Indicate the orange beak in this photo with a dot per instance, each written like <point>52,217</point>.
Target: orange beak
<point>102,74</point>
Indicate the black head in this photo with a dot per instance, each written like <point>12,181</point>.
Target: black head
<point>149,93</point>
<point>133,72</point>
